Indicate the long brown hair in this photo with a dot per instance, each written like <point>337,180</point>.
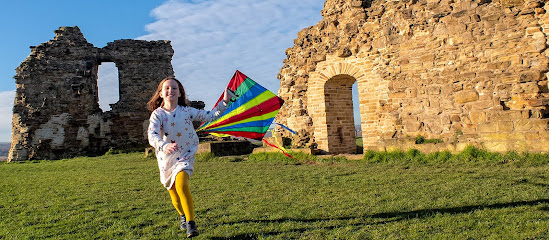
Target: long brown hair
<point>156,101</point>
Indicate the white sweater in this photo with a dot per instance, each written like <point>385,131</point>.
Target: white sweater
<point>177,127</point>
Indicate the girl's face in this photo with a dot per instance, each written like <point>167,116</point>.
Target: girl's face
<point>170,91</point>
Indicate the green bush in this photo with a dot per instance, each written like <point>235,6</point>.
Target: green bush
<point>421,140</point>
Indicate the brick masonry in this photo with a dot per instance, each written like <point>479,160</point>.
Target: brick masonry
<point>466,72</point>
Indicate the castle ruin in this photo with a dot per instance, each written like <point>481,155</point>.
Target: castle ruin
<point>56,112</point>
<point>461,71</point>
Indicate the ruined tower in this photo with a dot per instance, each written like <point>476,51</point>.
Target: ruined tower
<point>56,112</point>
<point>467,72</point>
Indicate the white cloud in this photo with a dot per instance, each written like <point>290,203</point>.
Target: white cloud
<point>6,110</point>
<point>212,39</point>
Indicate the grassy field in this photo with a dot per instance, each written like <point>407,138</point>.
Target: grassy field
<point>268,196</point>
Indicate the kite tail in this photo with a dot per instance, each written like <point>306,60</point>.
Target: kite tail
<point>272,145</point>
<point>277,142</point>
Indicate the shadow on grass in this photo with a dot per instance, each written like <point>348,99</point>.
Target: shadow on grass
<point>388,217</point>
<point>457,210</point>
<point>538,184</point>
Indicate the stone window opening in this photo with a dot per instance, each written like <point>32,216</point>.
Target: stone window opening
<point>107,85</point>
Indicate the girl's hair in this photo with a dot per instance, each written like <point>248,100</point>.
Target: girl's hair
<point>156,101</point>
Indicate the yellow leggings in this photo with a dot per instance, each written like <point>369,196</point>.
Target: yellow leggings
<point>181,196</point>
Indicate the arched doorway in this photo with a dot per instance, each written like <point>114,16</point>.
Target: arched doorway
<point>329,103</point>
<point>339,114</point>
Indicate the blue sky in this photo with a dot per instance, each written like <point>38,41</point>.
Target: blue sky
<point>211,38</point>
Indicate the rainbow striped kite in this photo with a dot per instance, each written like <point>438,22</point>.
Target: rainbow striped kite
<point>250,115</point>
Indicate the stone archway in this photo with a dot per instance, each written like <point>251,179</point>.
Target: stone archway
<point>330,104</point>
<point>339,114</point>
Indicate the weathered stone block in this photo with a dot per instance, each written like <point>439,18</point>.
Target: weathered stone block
<point>487,127</point>
<point>531,136</point>
<point>503,136</point>
<point>505,126</point>
<point>477,117</point>
<point>531,125</point>
<point>496,146</point>
<point>466,96</point>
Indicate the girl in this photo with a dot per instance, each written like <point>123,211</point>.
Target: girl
<point>172,134</point>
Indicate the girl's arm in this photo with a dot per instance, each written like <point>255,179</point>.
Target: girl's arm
<point>154,132</point>
<point>208,116</point>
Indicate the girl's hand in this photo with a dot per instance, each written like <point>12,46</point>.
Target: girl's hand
<point>228,95</point>
<point>170,148</point>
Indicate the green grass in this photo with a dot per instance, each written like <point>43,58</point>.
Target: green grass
<point>399,195</point>
<point>470,156</point>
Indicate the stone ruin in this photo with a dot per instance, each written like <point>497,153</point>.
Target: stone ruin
<point>56,113</point>
<point>460,71</point>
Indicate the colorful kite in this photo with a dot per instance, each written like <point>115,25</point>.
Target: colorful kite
<point>249,115</point>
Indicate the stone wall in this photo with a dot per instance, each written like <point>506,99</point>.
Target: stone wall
<point>56,112</point>
<point>465,72</point>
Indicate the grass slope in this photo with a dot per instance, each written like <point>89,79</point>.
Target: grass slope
<point>120,197</point>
